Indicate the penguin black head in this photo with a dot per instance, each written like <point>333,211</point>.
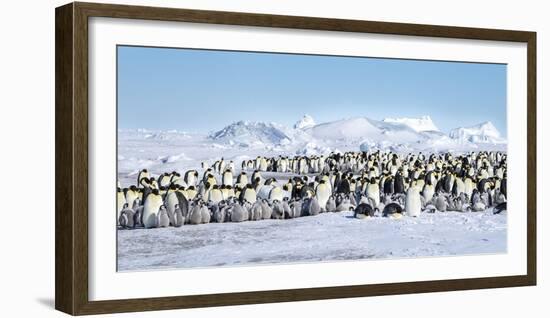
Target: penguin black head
<point>155,191</point>
<point>133,187</point>
<point>191,188</point>
<point>144,170</point>
<point>173,187</point>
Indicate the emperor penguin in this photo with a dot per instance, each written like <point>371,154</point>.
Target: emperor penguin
<point>263,164</point>
<point>373,191</point>
<point>331,204</point>
<point>164,179</point>
<point>195,215</point>
<point>256,211</point>
<point>345,205</point>
<point>126,218</point>
<point>191,177</point>
<point>170,202</point>
<point>163,219</point>
<point>211,180</point>
<point>191,193</point>
<point>276,193</point>
<point>248,194</point>
<point>255,176</point>
<point>179,220</point>
<point>227,177</point>
<point>141,175</point>
<point>278,210</point>
<point>286,208</point>
<point>314,207</point>
<point>242,179</point>
<point>413,204</point>
<point>392,210</point>
<point>120,201</point>
<point>441,203</point>
<point>322,193</point>
<point>267,210</point>
<point>215,195</point>
<point>218,212</point>
<point>398,183</point>
<point>151,207</point>
<point>428,191</point>
<point>296,208</point>
<point>469,186</point>
<point>363,210</point>
<point>138,216</point>
<point>205,214</point>
<point>238,213</point>
<point>263,191</point>
<point>131,194</point>
<point>500,207</point>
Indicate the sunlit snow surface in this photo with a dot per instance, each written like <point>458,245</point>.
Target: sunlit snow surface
<point>325,237</point>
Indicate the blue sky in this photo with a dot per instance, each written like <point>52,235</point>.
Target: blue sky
<point>204,90</point>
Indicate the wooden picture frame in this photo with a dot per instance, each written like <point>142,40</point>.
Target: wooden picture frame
<point>71,90</point>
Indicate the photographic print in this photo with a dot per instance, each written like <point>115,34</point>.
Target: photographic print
<point>233,158</point>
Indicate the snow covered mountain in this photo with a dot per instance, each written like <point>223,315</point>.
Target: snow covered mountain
<point>355,133</point>
<point>361,128</point>
<point>423,123</point>
<point>482,133</point>
<point>248,133</point>
<point>306,122</point>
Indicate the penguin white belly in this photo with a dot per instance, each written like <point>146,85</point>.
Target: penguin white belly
<point>227,179</point>
<point>468,187</point>
<point>263,192</point>
<point>276,194</point>
<point>120,201</point>
<point>215,196</point>
<point>428,193</point>
<point>171,201</point>
<point>373,193</point>
<point>263,165</point>
<point>250,195</point>
<point>413,204</point>
<point>151,209</point>
<point>131,196</point>
<point>322,194</point>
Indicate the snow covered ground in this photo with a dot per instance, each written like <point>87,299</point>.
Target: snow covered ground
<point>325,237</point>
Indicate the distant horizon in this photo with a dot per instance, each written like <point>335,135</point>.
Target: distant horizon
<point>292,126</point>
<point>201,91</point>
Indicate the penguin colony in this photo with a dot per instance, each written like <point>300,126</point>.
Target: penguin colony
<point>373,184</point>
